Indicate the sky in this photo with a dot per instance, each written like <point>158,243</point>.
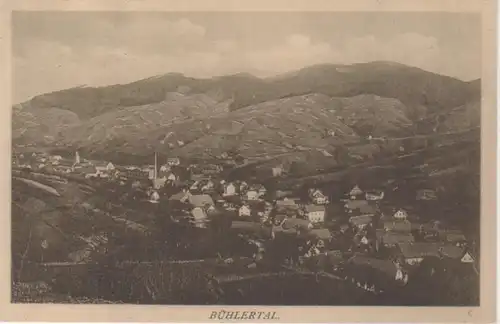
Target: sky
<point>58,50</point>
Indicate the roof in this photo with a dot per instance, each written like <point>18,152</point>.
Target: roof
<point>419,249</point>
<point>321,233</point>
<point>398,226</point>
<point>367,209</point>
<point>361,220</point>
<point>396,238</point>
<point>200,200</point>
<point>178,196</point>
<point>314,208</point>
<point>452,251</point>
<point>355,204</point>
<point>292,222</point>
<point>286,203</point>
<point>455,236</point>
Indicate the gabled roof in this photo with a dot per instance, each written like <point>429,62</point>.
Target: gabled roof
<point>355,204</point>
<point>361,220</point>
<point>321,233</point>
<point>200,200</point>
<point>286,203</point>
<point>452,251</point>
<point>314,208</point>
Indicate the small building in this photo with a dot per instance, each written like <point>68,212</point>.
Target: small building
<point>455,237</point>
<point>252,195</point>
<point>172,177</point>
<point>173,161</point>
<point>315,213</point>
<point>277,171</point>
<point>286,204</point>
<point>201,200</point>
<point>318,197</point>
<point>244,211</point>
<point>199,217</point>
<point>355,192</point>
<point>159,183</point>
<point>229,189</point>
<point>353,205</point>
<point>374,195</point>
<point>361,221</point>
<point>401,214</point>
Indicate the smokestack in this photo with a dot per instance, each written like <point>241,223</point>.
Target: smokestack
<point>156,167</point>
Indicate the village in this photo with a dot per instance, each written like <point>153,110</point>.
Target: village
<point>349,237</point>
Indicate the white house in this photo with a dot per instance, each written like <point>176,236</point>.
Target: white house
<point>244,211</point>
<point>318,197</point>
<point>165,168</point>
<point>229,190</point>
<point>315,213</point>
<point>374,195</point>
<point>155,197</point>
<point>355,192</point>
<point>172,177</point>
<point>252,195</point>
<point>467,258</point>
<point>173,161</point>
<point>401,215</point>
<point>277,171</point>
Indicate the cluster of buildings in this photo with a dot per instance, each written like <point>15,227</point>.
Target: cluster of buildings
<point>357,235</point>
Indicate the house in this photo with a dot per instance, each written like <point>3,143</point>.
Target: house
<point>173,161</point>
<point>244,211</point>
<point>426,194</point>
<point>374,195</point>
<point>400,215</point>
<point>322,234</point>
<point>201,200</point>
<point>315,213</point>
<point>199,217</point>
<point>355,192</point>
<point>208,186</point>
<point>402,226</point>
<point>277,171</point>
<point>172,177</point>
<point>352,205</point>
<point>252,195</point>
<point>154,197</point>
<point>159,183</point>
<point>261,190</point>
<point>318,197</point>
<point>286,204</point>
<point>361,221</point>
<point>452,251</point>
<point>455,237</point>
<point>165,168</point>
<point>467,258</point>
<point>391,240</point>
<point>229,189</point>
<point>291,226</point>
<point>414,253</point>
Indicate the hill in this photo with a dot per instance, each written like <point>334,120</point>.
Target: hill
<point>410,85</point>
<point>283,126</point>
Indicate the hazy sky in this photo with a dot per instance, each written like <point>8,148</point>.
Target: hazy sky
<point>58,50</point>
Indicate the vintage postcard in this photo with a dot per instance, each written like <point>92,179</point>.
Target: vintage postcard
<point>270,161</point>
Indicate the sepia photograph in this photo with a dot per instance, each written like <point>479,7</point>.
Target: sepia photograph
<point>246,158</point>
